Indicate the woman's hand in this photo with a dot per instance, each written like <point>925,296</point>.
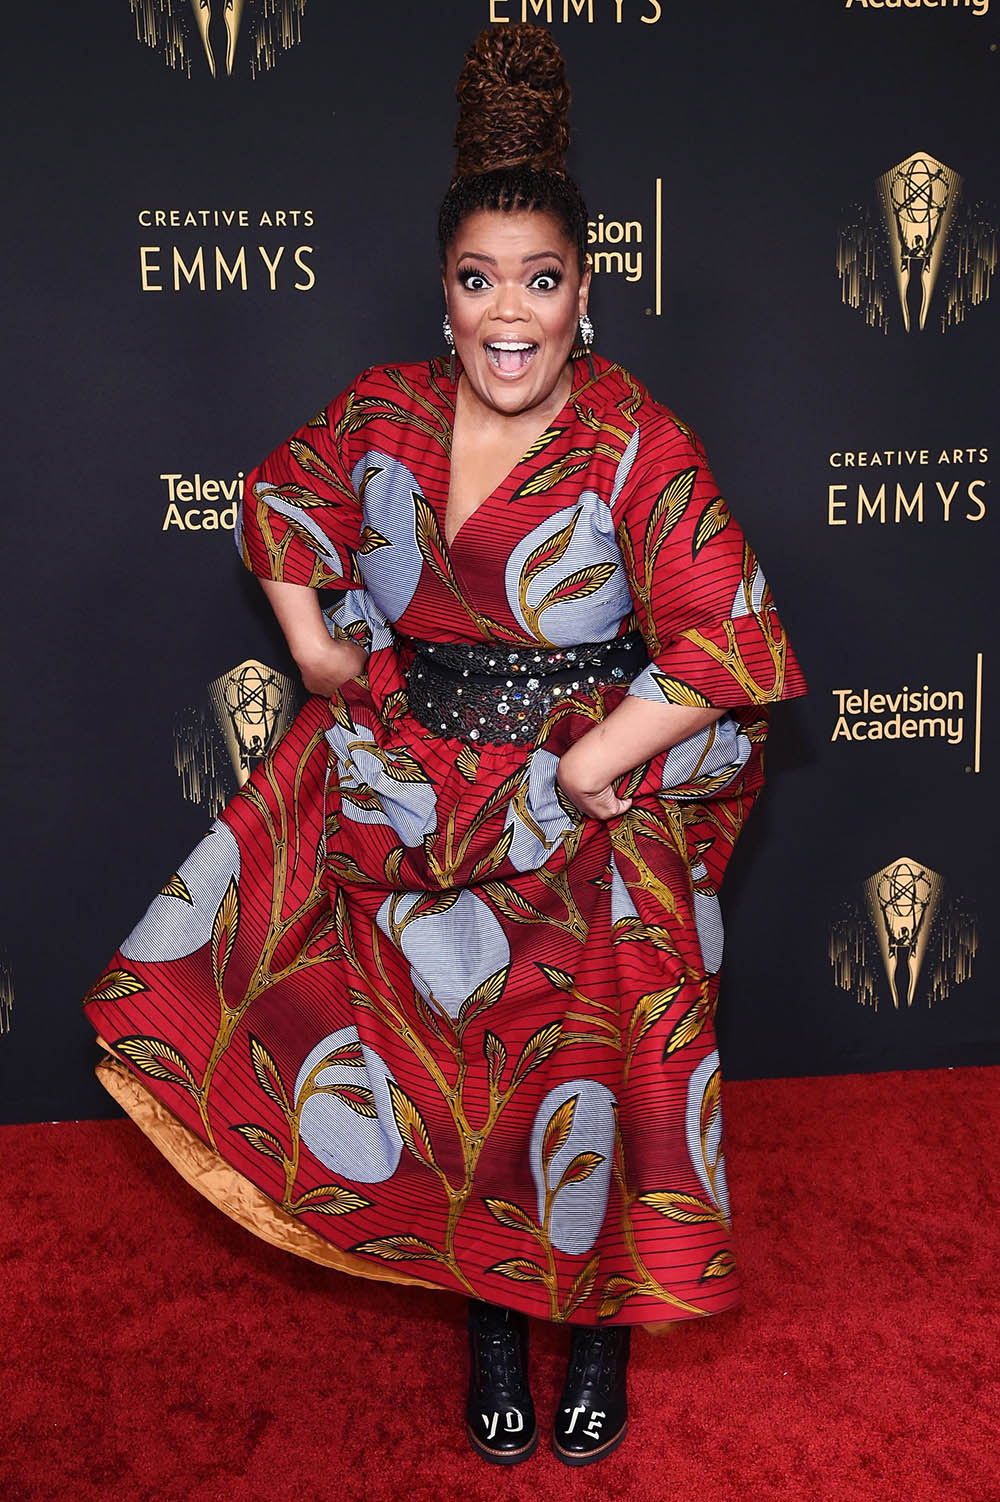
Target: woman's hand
<point>326,666</point>
<point>591,794</point>
<point>633,732</point>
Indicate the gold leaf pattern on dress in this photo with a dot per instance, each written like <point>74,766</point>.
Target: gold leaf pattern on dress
<point>288,490</point>
<point>561,979</point>
<point>391,865</point>
<point>371,541</point>
<point>581,1167</point>
<point>688,1209</point>
<point>321,420</point>
<point>616,1293</point>
<point>331,1199</point>
<point>519,1270</point>
<point>176,887</point>
<point>344,868</point>
<point>427,905</point>
<point>512,904</point>
<point>158,1059</point>
<point>351,1055</point>
<point>486,995</point>
<point>467,762</point>
<point>112,986</point>
<point>224,931</point>
<point>648,1010</point>
<point>691,1024</point>
<point>268,1074</point>
<point>553,474</point>
<point>557,1129</point>
<point>537,1049</point>
<point>547,553</point>
<point>261,1140</point>
<point>676,692</point>
<point>670,506</point>
<point>313,462</point>
<point>495,858</point>
<point>719,1266</point>
<point>510,1215</point>
<point>542,442</point>
<point>583,1285</point>
<point>399,1249</point>
<point>577,586</point>
<point>410,1125</point>
<point>370,474</point>
<point>714,519</point>
<point>358,1097</point>
<point>496,1058</point>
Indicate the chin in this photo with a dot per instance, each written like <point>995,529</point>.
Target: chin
<point>516,390</point>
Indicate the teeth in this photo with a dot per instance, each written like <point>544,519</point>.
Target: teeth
<point>508,344</point>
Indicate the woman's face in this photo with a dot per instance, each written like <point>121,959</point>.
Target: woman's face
<point>515,294</point>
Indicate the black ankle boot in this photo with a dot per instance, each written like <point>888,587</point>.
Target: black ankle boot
<point>592,1417</point>
<point>500,1416</point>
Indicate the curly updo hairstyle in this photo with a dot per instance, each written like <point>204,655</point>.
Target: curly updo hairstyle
<point>512,134</point>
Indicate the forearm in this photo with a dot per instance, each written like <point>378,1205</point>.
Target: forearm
<point>297,609</point>
<point>325,664</point>
<point>634,732</point>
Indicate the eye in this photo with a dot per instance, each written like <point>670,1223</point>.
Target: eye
<point>547,281</point>
<point>473,280</point>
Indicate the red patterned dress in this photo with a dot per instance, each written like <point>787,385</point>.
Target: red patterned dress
<point>403,1010</point>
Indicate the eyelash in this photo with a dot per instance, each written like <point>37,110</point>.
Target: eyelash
<point>552,272</point>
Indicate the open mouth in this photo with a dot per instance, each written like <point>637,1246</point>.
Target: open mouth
<point>510,356</point>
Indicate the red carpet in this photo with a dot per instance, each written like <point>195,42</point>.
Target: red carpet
<point>156,1351</point>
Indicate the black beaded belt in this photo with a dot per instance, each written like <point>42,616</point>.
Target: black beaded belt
<point>496,693</point>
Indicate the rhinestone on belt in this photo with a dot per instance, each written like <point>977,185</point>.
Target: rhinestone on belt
<point>478,691</point>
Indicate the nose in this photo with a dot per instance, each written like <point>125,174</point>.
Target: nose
<point>509,305</point>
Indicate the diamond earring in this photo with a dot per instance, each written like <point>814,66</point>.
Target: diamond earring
<point>586,331</point>
<point>449,339</point>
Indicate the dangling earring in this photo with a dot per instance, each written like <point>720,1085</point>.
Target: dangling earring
<point>587,339</point>
<point>449,339</point>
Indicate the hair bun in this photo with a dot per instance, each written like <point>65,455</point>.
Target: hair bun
<point>513,102</point>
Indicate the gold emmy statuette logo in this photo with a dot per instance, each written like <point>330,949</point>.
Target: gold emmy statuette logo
<point>922,234</point>
<point>274,26</point>
<point>902,922</point>
<point>219,744</point>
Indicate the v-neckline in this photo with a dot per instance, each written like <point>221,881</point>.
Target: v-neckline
<point>502,485</point>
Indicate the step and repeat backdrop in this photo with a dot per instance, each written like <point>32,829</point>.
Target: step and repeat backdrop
<point>217,213</point>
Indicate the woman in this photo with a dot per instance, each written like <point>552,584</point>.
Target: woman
<point>437,991</point>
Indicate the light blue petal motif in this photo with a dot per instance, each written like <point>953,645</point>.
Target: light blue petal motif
<point>391,567</point>
<point>707,754</point>
<point>324,548</point>
<point>622,905</point>
<point>578,1209</point>
<point>708,922</point>
<point>757,586</point>
<point>450,952</point>
<point>624,467</point>
<point>593,617</point>
<point>536,815</point>
<point>707,1158</point>
<point>358,605</point>
<point>174,927</point>
<point>410,808</point>
<point>354,1146</point>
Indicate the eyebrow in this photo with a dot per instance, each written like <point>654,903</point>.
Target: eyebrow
<point>541,255</point>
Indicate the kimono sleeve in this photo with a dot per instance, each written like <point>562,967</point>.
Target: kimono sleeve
<point>699,594</point>
<point>300,518</point>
